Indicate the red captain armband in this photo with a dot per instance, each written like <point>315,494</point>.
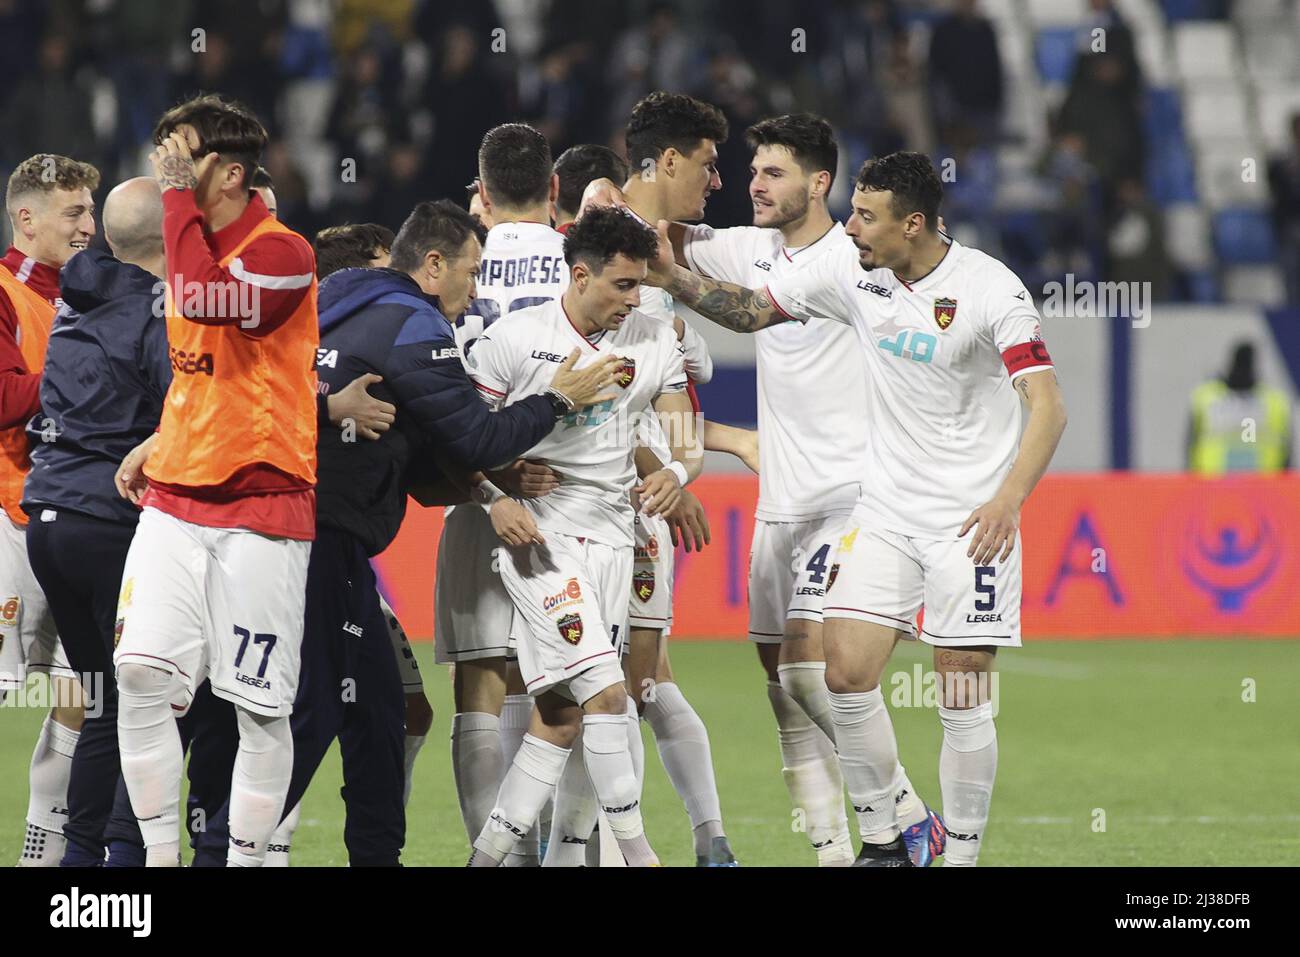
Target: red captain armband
<point>1026,355</point>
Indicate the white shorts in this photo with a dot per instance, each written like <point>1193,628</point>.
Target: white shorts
<point>472,610</point>
<point>572,599</point>
<point>650,602</point>
<point>407,666</point>
<point>224,603</point>
<point>886,578</point>
<point>29,639</point>
<point>789,563</point>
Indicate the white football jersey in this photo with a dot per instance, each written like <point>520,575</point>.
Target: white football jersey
<point>812,390</point>
<point>592,448</point>
<point>941,354</point>
<point>523,265</point>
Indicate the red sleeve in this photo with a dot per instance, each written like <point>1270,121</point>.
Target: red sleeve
<point>20,390</point>
<point>259,291</point>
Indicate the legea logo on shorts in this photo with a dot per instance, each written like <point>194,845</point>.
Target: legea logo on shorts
<point>572,593</point>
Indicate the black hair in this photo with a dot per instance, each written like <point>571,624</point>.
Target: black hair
<point>514,161</point>
<point>262,179</point>
<point>807,136</point>
<point>440,225</point>
<point>662,120</point>
<point>579,165</point>
<point>350,246</point>
<point>606,232</point>
<point>224,126</point>
<point>912,178</point>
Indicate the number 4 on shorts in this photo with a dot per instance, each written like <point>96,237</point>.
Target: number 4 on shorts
<point>268,640</point>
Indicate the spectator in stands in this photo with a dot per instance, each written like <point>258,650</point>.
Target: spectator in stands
<point>1105,110</point>
<point>965,78</point>
<point>1284,183</point>
<point>52,107</point>
<point>1238,424</point>
<point>1135,240</point>
<point>465,99</point>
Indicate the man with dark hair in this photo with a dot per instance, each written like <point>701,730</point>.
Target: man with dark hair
<point>569,568</point>
<point>474,194</point>
<point>51,210</point>
<point>938,324</point>
<point>352,246</point>
<point>215,579</point>
<point>515,171</point>
<point>394,323</point>
<point>264,186</point>
<point>578,166</point>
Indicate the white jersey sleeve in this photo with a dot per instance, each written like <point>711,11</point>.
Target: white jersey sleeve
<point>724,254</point>
<point>821,288</point>
<point>490,366</point>
<point>1014,324</point>
<point>695,351</point>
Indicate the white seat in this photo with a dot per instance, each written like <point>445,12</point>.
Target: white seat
<point>1205,51</point>
<point>1220,172</point>
<point>1274,106</point>
<point>1219,112</point>
<point>1153,56</point>
<point>1016,48</point>
<point>1269,50</point>
<point>1187,237</point>
<point>1140,14</point>
<point>1254,11</point>
<point>1057,13</point>
<point>1254,285</point>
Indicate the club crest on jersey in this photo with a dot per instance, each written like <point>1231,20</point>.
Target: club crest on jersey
<point>570,628</point>
<point>643,584</point>
<point>830,580</point>
<point>648,552</point>
<point>9,611</point>
<point>625,373</point>
<point>945,311</point>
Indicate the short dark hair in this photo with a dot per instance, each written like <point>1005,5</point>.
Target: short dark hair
<point>440,225</point>
<point>350,246</point>
<point>514,161</point>
<point>262,179</point>
<point>807,136</point>
<point>912,178</point>
<point>579,165</point>
<point>224,126</point>
<point>662,120</point>
<point>604,233</point>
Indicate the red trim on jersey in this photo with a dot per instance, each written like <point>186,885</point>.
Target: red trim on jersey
<point>482,387</point>
<point>1025,355</point>
<point>693,396</point>
<point>578,332</point>
<point>777,306</point>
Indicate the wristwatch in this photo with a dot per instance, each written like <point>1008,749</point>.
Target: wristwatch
<point>560,403</point>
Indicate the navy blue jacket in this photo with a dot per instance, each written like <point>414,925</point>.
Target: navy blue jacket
<point>378,320</point>
<point>106,374</point>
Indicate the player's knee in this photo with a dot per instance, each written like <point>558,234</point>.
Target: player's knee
<point>71,717</point>
<point>613,700</point>
<point>419,714</point>
<point>846,677</point>
<point>263,734</point>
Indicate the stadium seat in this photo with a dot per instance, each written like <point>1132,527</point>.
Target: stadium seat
<point>1244,236</point>
<point>1187,237</point>
<point>1057,13</point>
<point>1202,286</point>
<point>1219,112</point>
<point>1194,9</point>
<point>1153,55</point>
<point>1055,51</point>
<point>1205,51</point>
<point>1015,47</point>
<point>1270,51</point>
<point>1141,15</point>
<point>1254,285</point>
<point>1259,10</point>
<point>1170,173</point>
<point>1024,115</point>
<point>1275,104</point>
<point>1225,180</point>
<point>1164,114</point>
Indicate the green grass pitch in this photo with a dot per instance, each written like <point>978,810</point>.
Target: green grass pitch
<point>1110,753</point>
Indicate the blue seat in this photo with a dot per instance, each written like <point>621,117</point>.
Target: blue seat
<point>1244,236</point>
<point>1055,50</point>
<point>1194,9</point>
<point>1171,172</point>
<point>1202,286</point>
<point>1164,114</point>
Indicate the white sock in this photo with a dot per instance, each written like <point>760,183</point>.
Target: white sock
<point>413,744</point>
<point>150,747</point>
<point>259,785</point>
<point>532,778</point>
<point>805,681</point>
<point>609,764</point>
<point>47,807</point>
<point>909,809</point>
<point>683,746</point>
<point>516,713</point>
<point>476,765</point>
<point>864,736</point>
<point>277,849</point>
<point>574,819</point>
<point>636,745</point>
<point>812,775</point>
<point>968,764</point>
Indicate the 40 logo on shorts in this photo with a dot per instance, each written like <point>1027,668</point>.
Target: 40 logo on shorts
<point>570,628</point>
<point>572,592</point>
<point>643,584</point>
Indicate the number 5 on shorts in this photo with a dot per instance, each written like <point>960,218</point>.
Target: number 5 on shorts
<point>983,587</point>
<point>268,640</point>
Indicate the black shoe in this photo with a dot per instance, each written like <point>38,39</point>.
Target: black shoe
<point>893,854</point>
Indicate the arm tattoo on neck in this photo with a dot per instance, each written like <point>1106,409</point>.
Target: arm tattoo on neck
<point>741,310</point>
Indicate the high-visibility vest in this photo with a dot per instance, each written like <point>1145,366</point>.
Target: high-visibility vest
<point>1239,431</point>
<point>35,317</point>
<point>236,400</point>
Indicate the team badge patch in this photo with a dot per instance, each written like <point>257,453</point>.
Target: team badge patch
<point>625,373</point>
<point>835,570</point>
<point>9,611</point>
<point>945,311</point>
<point>643,584</point>
<point>117,632</point>
<point>570,627</point>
